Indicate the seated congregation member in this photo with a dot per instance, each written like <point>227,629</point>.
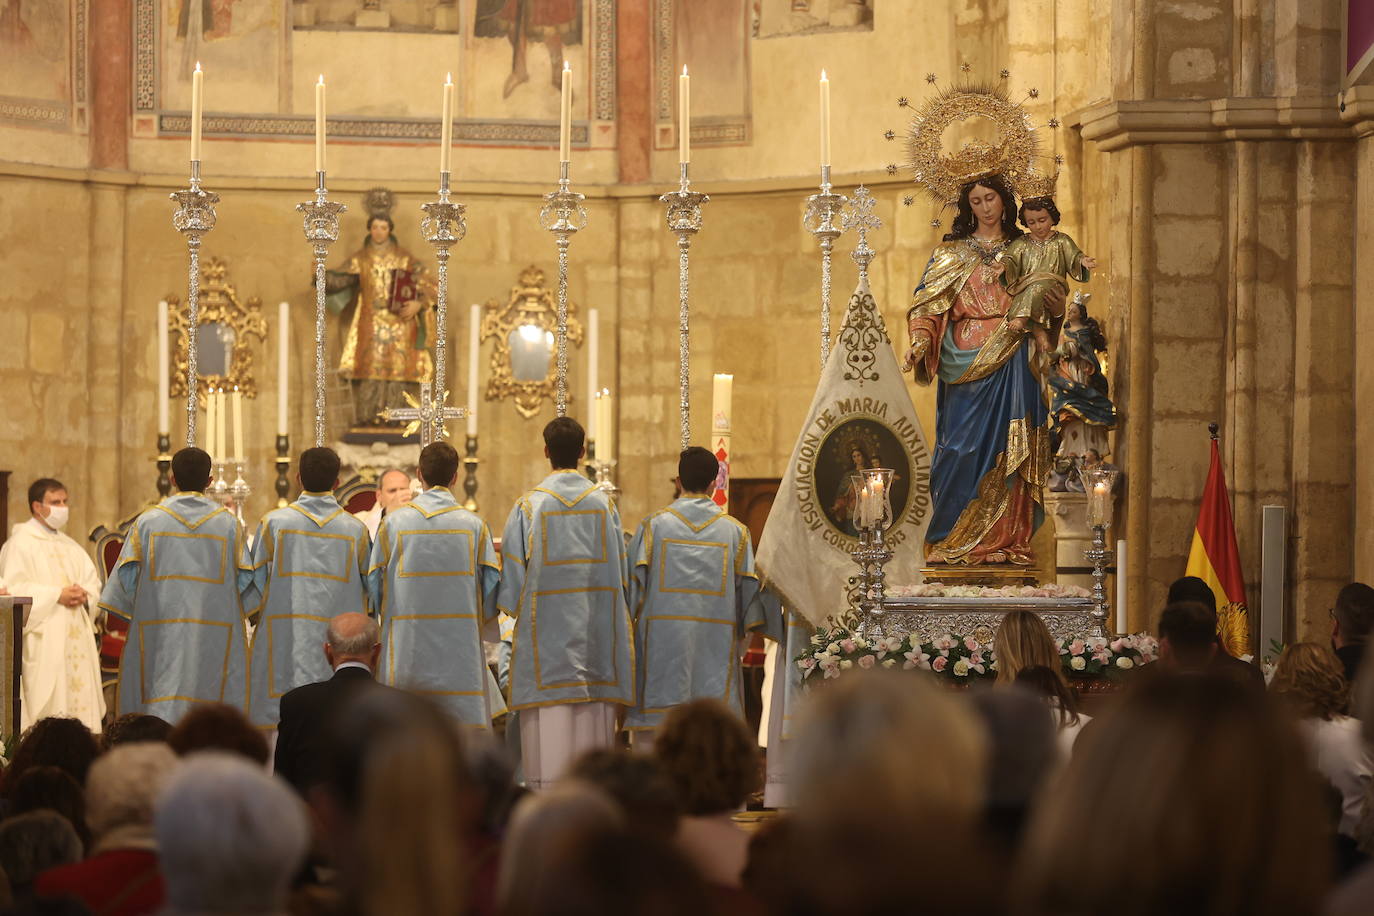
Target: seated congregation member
<point>713,761</point>
<point>32,843</point>
<point>886,735</point>
<point>393,490</point>
<point>1352,619</point>
<point>396,809</point>
<point>218,727</point>
<point>50,788</point>
<point>1022,753</point>
<point>61,670</point>
<point>179,581</point>
<point>545,827</point>
<point>122,877</point>
<point>433,581</point>
<point>563,580</point>
<point>1224,816</point>
<point>692,590</point>
<point>1309,682</point>
<point>54,741</point>
<point>1188,644</point>
<point>352,647</point>
<point>230,837</point>
<point>639,784</point>
<point>309,559</point>
<point>133,728</point>
<point>1022,641</point>
<point>1192,588</point>
<point>1052,687</point>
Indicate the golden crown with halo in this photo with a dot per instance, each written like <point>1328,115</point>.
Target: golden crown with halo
<point>1015,154</point>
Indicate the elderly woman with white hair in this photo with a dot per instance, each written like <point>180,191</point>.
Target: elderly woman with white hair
<point>122,875</point>
<point>231,837</point>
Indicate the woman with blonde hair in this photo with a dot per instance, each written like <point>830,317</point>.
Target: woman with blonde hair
<point>1195,796</point>
<point>1023,641</point>
<point>1310,682</point>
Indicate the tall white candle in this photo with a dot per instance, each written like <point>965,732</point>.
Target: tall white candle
<point>319,124</point>
<point>474,354</point>
<point>221,424</point>
<point>163,370</point>
<point>684,116</point>
<point>722,392</point>
<point>565,115</point>
<point>283,331</point>
<point>593,355</point>
<point>197,106</point>
<point>236,399</point>
<point>1121,621</point>
<point>210,421</point>
<point>825,119</point>
<point>446,129</point>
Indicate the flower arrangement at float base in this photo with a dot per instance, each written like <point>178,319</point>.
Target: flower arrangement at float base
<point>835,650</point>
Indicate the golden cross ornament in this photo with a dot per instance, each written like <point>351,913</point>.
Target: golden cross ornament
<point>428,415</point>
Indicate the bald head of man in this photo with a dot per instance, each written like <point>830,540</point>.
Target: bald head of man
<point>353,638</point>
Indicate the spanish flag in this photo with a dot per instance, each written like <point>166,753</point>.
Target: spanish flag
<point>1215,559</point>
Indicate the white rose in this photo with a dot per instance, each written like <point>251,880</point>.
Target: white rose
<point>1124,662</point>
<point>1077,663</point>
<point>891,662</point>
<point>846,665</point>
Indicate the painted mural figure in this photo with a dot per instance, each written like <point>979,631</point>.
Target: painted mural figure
<point>992,451</point>
<point>554,22</point>
<point>386,348</point>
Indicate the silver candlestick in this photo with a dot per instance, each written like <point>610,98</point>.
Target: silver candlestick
<point>821,211</point>
<point>604,483</point>
<point>194,216</point>
<point>872,516</point>
<point>1100,556</point>
<point>322,229</point>
<point>442,227</point>
<point>683,213</point>
<point>563,215</point>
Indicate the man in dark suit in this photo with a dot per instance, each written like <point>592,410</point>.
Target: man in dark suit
<point>1193,589</point>
<point>1352,619</point>
<point>1188,645</point>
<point>352,647</point>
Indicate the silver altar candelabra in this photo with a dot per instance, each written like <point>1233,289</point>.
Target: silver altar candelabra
<point>564,216</point>
<point>194,216</point>
<point>872,514</point>
<point>1099,482</point>
<point>224,491</point>
<point>321,226</point>
<point>821,210</point>
<point>470,474</point>
<point>443,226</point>
<point>683,213</point>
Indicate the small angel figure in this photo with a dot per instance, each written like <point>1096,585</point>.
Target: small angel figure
<point>1038,262</point>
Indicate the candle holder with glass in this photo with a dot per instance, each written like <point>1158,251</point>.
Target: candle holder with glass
<point>1099,484</point>
<point>872,515</point>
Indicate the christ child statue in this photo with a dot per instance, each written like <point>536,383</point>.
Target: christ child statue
<point>1038,262</point>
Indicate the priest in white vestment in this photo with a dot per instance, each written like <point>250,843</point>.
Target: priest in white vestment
<point>61,666</point>
<point>393,491</point>
<point>563,579</point>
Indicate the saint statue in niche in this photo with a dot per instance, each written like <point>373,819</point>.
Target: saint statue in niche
<point>386,347</point>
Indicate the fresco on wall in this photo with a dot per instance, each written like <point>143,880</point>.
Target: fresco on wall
<point>515,53</point>
<point>238,42</point>
<point>712,38</point>
<point>35,43</point>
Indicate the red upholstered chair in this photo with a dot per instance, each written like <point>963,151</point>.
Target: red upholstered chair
<point>357,494</point>
<point>108,543</point>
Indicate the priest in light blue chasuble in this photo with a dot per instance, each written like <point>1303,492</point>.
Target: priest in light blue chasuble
<point>180,582</point>
<point>563,580</point>
<point>433,579</point>
<point>692,595</point>
<point>309,559</point>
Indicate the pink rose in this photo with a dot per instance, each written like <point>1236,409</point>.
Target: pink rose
<point>940,662</point>
<point>1118,645</point>
<point>1077,646</point>
<point>971,644</point>
<point>867,661</point>
<point>847,645</point>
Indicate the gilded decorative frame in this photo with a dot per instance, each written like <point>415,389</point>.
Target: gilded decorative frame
<point>530,303</point>
<point>219,302</point>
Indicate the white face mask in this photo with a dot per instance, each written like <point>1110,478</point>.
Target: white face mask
<point>57,517</point>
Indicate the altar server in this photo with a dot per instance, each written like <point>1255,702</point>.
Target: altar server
<point>309,559</point>
<point>692,591</point>
<point>61,670</point>
<point>433,579</point>
<point>179,582</point>
<point>563,580</point>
